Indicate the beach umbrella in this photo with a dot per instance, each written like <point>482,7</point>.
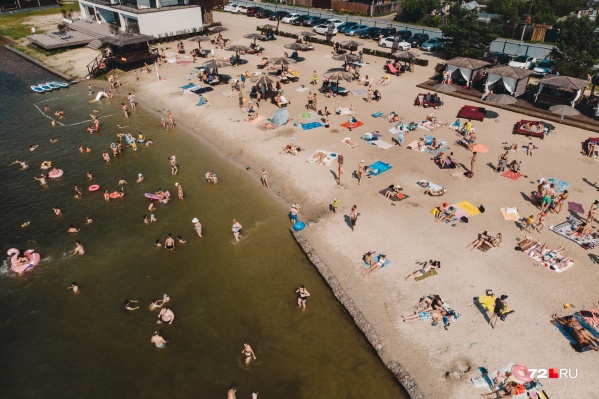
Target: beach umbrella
<point>351,45</point>
<point>268,27</point>
<point>306,33</point>
<point>338,75</point>
<point>297,46</point>
<point>444,88</point>
<point>501,99</point>
<point>563,110</point>
<point>346,57</point>
<point>255,36</point>
<point>263,80</point>
<point>217,29</point>
<point>215,64</point>
<point>237,48</point>
<point>200,39</point>
<point>281,117</point>
<point>280,61</point>
<point>404,56</point>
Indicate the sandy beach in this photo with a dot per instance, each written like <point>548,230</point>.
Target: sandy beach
<point>406,230</point>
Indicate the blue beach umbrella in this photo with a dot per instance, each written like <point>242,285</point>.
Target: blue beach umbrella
<point>281,117</point>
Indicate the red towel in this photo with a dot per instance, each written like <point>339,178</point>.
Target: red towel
<point>354,125</point>
<point>512,175</point>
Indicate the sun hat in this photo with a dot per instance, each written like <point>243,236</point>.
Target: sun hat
<point>176,184</point>
<point>194,220</point>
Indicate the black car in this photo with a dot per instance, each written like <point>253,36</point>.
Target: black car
<point>418,39</point>
<point>313,21</point>
<point>253,10</point>
<point>299,21</point>
<point>278,15</point>
<point>264,13</point>
<point>496,57</point>
<point>387,32</point>
<point>404,34</point>
<point>370,33</point>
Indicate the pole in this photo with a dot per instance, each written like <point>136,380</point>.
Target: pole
<point>156,66</point>
<point>340,168</point>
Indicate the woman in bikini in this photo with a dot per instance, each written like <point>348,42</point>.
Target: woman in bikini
<point>505,392</point>
<point>430,265</point>
<point>236,229</point>
<point>583,337</point>
<point>302,296</point>
<point>248,352</point>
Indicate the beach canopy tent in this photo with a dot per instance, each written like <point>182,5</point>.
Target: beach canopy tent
<point>507,79</point>
<point>556,89</point>
<point>464,69</point>
<point>127,48</point>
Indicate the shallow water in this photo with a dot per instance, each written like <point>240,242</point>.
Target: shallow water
<point>56,344</point>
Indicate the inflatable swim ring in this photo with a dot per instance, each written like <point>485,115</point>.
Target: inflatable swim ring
<point>46,165</point>
<point>113,145</point>
<point>33,259</point>
<point>521,373</point>
<point>115,194</point>
<point>94,187</point>
<point>55,174</point>
<point>156,196</point>
<point>299,226</point>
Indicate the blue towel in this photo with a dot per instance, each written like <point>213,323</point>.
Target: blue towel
<point>560,186</point>
<point>380,167</point>
<point>436,152</point>
<point>376,259</point>
<point>311,125</point>
<point>566,332</point>
<point>187,86</point>
<point>377,114</point>
<point>586,325</point>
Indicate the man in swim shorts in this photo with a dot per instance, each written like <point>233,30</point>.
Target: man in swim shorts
<point>166,316</point>
<point>158,341</point>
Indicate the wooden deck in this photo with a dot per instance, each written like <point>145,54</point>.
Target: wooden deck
<point>527,106</point>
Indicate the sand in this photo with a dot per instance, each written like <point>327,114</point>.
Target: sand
<point>406,232</point>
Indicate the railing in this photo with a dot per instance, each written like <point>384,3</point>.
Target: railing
<point>135,7</point>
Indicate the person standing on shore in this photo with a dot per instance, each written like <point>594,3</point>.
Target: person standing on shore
<point>361,169</point>
<point>353,216</point>
<point>131,99</point>
<point>498,310</point>
<point>472,162</point>
<point>335,205</point>
<point>293,214</point>
<point>264,178</point>
<point>236,229</point>
<point>591,214</point>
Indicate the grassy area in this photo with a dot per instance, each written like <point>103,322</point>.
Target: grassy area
<point>14,25</point>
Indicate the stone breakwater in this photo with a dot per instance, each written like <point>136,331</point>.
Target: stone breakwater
<point>400,373</point>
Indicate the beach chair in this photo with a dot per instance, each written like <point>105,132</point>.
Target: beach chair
<point>392,69</point>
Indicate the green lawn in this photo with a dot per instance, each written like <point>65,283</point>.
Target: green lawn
<point>14,25</point>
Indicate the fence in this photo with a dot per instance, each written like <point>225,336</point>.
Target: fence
<point>514,47</point>
<point>364,9</point>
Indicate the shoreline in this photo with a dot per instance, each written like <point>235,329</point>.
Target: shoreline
<point>41,64</point>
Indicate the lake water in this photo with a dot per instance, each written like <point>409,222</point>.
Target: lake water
<point>56,344</point>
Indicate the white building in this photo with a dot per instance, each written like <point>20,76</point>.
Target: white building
<point>158,18</point>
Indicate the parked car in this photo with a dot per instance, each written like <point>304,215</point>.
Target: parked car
<point>264,14</point>
<point>343,27</point>
<point>369,33</point>
<point>289,18</point>
<point>230,7</point>
<point>523,61</point>
<point>543,68</point>
<point>418,39</point>
<point>300,20</point>
<point>240,10</point>
<point>496,57</point>
<point>335,22</point>
<point>432,44</point>
<point>394,42</point>
<point>352,31</point>
<point>404,34</point>
<point>313,21</point>
<point>324,29</point>
<point>387,32</point>
<point>278,15</point>
<point>251,12</point>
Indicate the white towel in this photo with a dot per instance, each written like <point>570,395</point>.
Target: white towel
<point>513,211</point>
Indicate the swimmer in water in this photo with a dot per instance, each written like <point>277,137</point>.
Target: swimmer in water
<point>181,240</point>
<point>169,243</point>
<point>26,223</point>
<point>140,178</point>
<point>41,179</point>
<point>146,220</point>
<point>231,392</point>
<point>105,156</point>
<point>53,141</point>
<point>128,304</point>
<point>179,190</point>
<point>302,296</point>
<point>149,142</point>
<point>73,230</point>
<point>158,303</point>
<point>78,250</point>
<point>74,287</point>
<point>151,207</point>
<point>153,218</point>
<point>53,123</point>
<point>46,108</point>
<point>57,211</point>
<point>78,192</point>
<point>90,176</point>
<point>81,150</point>
<point>236,229</point>
<point>87,149</point>
<point>158,341</point>
<point>166,316</point>
<point>88,220</point>
<point>106,195</point>
<point>122,182</point>
<point>197,226</point>
<point>21,163</point>
<point>157,243</point>
<point>248,352</point>
<point>33,147</point>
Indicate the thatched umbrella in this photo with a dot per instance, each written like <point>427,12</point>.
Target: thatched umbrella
<point>338,75</point>
<point>407,56</point>
<point>262,80</point>
<point>297,46</point>
<point>200,39</point>
<point>268,27</point>
<point>346,57</point>
<point>215,64</point>
<point>306,33</point>
<point>280,61</point>
<point>351,45</point>
<point>237,48</point>
<point>217,29</point>
<point>255,36</point>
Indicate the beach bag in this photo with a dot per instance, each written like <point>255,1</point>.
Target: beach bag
<point>481,209</point>
<point>464,219</point>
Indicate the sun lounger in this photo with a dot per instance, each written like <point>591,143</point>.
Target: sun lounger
<point>472,112</point>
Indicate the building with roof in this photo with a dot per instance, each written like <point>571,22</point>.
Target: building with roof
<point>504,78</point>
<point>557,89</point>
<point>465,70</point>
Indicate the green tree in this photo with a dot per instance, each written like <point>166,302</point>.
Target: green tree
<point>577,48</point>
<point>467,37</point>
<point>415,10</point>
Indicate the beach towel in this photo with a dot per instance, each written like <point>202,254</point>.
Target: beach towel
<point>436,152</point>
<point>344,111</point>
<point>480,148</point>
<point>378,114</point>
<point>591,316</point>
<point>512,175</point>
<point>354,125</point>
<point>566,333</point>
<point>560,186</point>
<point>575,207</point>
<point>358,92</point>
<point>458,175</point>
<point>398,197</point>
<point>510,216</point>
<point>309,115</point>
<point>583,322</point>
<point>434,211</point>
<point>187,86</point>
<point>378,167</point>
<point>469,208</point>
<point>376,259</point>
<point>349,142</point>
<point>302,89</point>
<point>420,126</point>
<point>381,144</point>
<point>429,185</point>
<point>322,157</point>
<point>565,230</point>
<point>258,120</point>
<point>311,125</point>
<point>432,272</point>
<point>413,146</point>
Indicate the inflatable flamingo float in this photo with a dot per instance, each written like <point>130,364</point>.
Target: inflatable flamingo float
<point>33,259</point>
